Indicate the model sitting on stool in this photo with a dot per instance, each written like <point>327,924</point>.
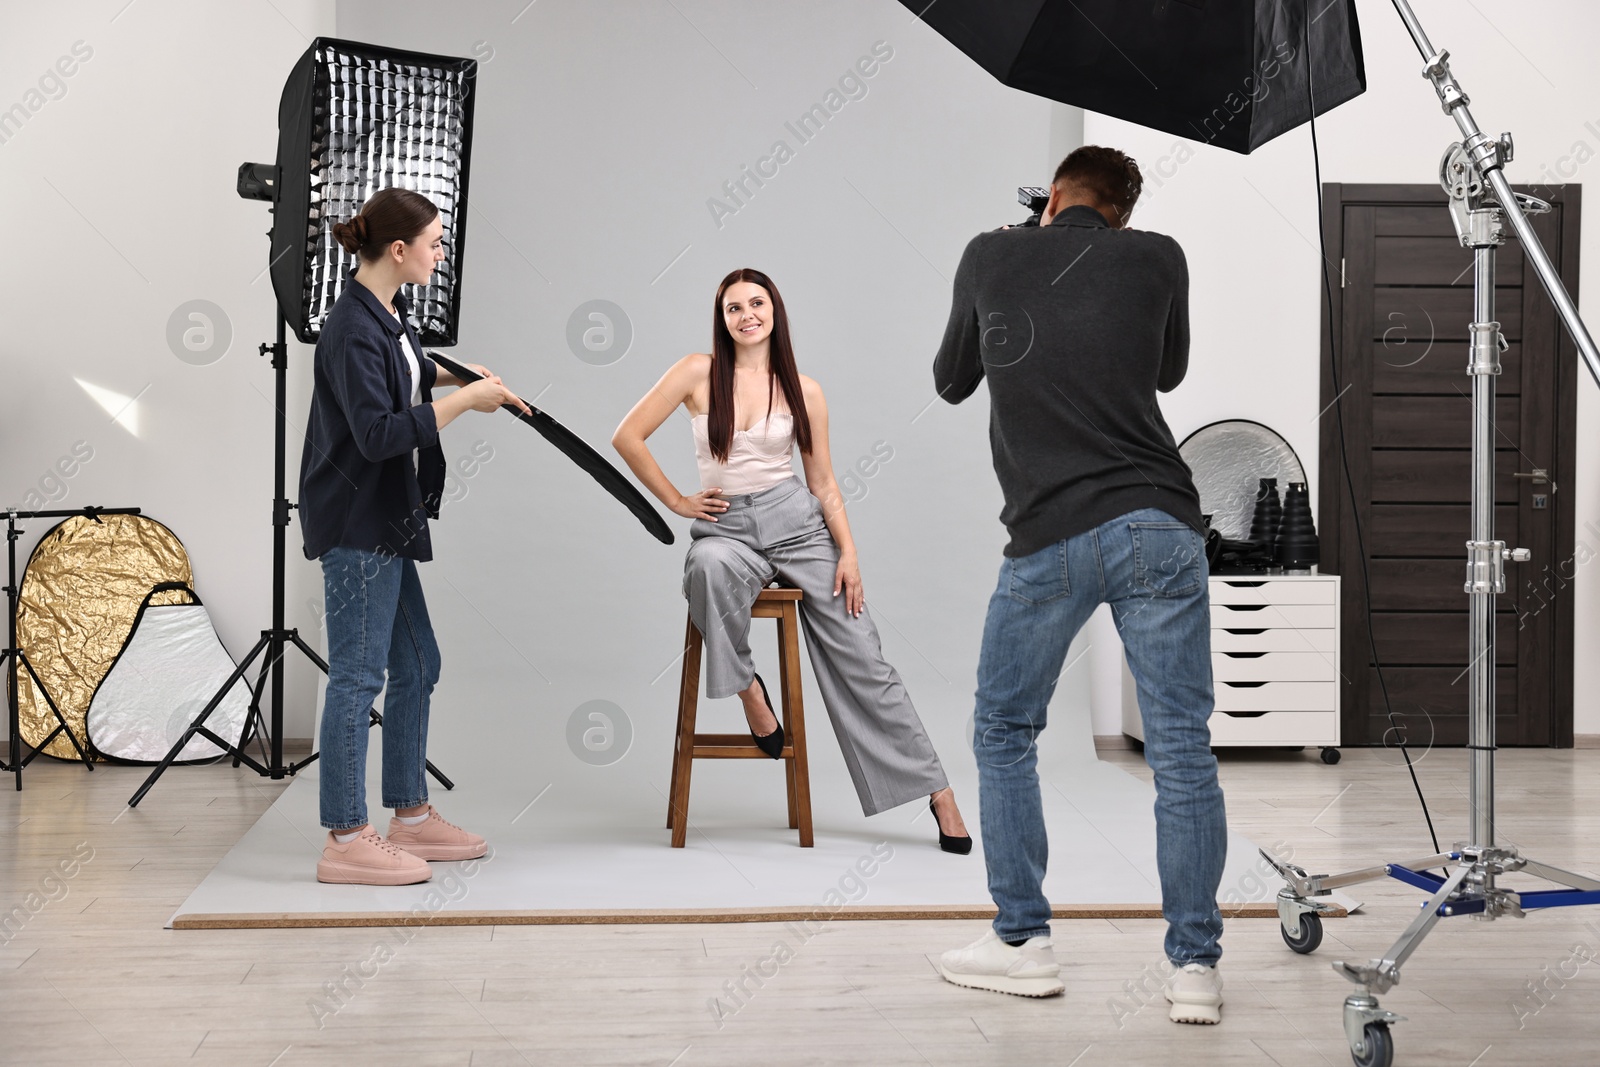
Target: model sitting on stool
<point>755,521</point>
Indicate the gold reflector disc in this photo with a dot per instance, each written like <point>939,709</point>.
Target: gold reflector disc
<point>80,592</point>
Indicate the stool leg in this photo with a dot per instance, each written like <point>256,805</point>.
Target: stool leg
<point>677,729</point>
<point>785,636</point>
<point>683,750</point>
<point>792,698</point>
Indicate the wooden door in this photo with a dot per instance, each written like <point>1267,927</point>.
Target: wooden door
<point>1402,301</point>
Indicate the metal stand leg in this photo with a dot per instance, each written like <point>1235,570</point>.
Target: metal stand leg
<point>14,657</point>
<point>198,726</point>
<point>61,722</point>
<point>255,707</point>
<point>1382,975</point>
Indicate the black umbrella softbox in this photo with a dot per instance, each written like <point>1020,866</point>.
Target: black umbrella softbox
<point>1230,73</point>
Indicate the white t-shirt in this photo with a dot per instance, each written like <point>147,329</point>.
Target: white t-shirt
<point>414,368</point>
<point>413,365</point>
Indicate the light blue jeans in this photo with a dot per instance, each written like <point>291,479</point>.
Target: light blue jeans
<point>1151,569</point>
<point>376,618</point>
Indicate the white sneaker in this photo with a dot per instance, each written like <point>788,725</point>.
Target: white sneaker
<point>1195,993</point>
<point>1027,970</point>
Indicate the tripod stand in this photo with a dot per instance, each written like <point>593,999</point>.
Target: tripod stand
<point>15,657</point>
<point>274,642</point>
<point>1481,200</point>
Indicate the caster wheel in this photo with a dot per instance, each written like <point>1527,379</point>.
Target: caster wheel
<point>1310,934</point>
<point>1380,1047</point>
<point>1330,756</point>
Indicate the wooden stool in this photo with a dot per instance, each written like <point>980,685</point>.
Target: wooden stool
<point>772,603</point>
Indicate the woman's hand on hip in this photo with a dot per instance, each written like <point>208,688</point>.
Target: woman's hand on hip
<point>847,577</point>
<point>702,505</point>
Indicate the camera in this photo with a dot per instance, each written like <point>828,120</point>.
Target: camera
<point>1034,198</point>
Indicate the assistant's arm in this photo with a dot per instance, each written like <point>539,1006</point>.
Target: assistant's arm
<point>355,373</point>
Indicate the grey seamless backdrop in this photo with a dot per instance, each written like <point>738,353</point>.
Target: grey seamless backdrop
<point>602,132</point>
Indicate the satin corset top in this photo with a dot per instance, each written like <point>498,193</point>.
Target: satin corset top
<point>758,458</point>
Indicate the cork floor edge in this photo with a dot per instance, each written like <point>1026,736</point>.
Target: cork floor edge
<point>619,916</point>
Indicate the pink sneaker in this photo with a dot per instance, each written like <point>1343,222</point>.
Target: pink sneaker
<point>369,860</point>
<point>436,839</point>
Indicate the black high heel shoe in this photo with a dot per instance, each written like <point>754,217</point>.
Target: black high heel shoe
<point>959,845</point>
<point>771,744</point>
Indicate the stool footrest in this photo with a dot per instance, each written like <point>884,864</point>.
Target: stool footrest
<point>732,746</point>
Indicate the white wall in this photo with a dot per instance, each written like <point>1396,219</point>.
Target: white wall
<point>1249,225</point>
<point>120,207</point>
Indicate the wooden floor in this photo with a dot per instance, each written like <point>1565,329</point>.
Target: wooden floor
<point>89,976</point>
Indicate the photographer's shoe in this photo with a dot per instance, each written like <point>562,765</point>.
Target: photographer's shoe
<point>369,860</point>
<point>1026,970</point>
<point>1195,993</point>
<point>436,839</point>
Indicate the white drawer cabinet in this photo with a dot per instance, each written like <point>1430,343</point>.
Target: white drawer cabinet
<point>1274,662</point>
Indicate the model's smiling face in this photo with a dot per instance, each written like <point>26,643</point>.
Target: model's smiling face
<point>747,312</point>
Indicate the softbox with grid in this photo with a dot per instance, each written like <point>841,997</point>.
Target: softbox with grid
<point>356,118</point>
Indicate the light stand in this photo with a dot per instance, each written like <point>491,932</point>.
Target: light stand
<point>1481,199</point>
<point>15,657</point>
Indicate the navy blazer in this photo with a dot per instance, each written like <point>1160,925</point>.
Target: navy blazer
<point>358,487</point>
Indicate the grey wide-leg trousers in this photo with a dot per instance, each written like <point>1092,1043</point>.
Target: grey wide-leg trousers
<point>779,533</point>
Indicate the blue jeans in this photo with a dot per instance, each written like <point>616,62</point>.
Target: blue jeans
<point>1152,570</point>
<point>376,618</point>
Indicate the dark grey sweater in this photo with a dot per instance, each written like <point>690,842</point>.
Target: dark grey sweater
<point>1076,326</point>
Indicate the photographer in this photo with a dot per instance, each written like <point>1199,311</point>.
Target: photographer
<point>1077,324</point>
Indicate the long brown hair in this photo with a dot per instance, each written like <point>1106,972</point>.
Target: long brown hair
<point>780,362</point>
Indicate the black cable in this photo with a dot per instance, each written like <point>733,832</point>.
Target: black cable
<point>1344,450</point>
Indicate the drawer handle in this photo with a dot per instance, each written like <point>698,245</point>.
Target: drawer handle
<point>1245,633</point>
<point>1243,655</point>
<point>1245,585</point>
<point>1244,607</point>
<point>1243,714</point>
<point>1244,685</point>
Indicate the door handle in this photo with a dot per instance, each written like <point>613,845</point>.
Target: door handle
<point>1540,476</point>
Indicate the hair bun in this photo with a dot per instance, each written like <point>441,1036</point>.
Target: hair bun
<point>351,234</point>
